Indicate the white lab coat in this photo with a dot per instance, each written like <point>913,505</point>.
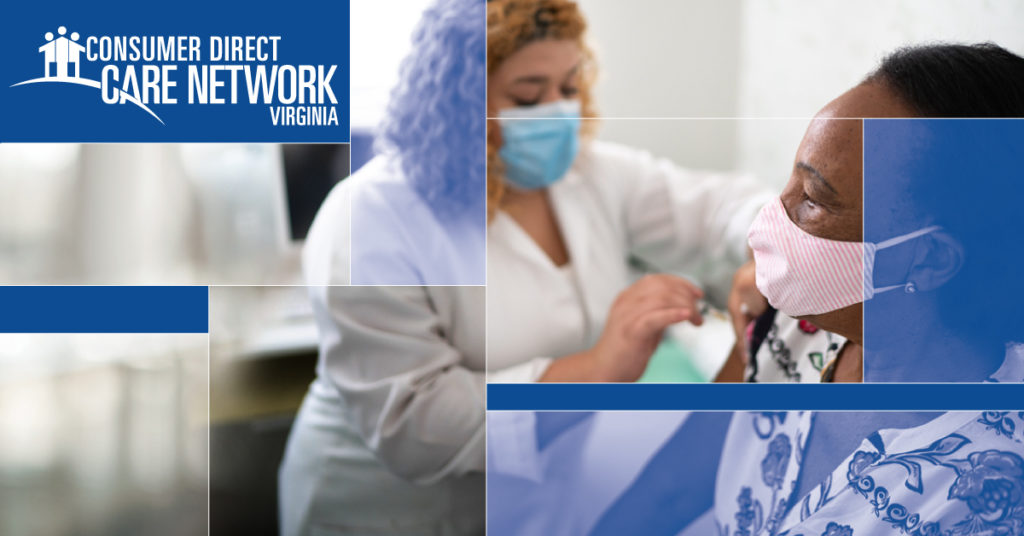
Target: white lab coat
<point>375,229</point>
<point>617,205</point>
<point>390,438</point>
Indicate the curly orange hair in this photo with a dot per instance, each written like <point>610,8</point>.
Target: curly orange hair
<point>511,25</point>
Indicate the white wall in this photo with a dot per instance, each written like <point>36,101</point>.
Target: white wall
<point>380,40</point>
<point>773,63</point>
<point>668,58</point>
<point>796,55</point>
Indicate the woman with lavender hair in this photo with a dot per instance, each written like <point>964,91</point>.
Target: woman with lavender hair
<point>416,213</point>
<point>390,437</point>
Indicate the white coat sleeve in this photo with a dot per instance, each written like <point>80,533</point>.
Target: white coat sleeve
<point>325,256</point>
<point>682,221</point>
<point>383,214</point>
<point>386,350</point>
<point>526,372</point>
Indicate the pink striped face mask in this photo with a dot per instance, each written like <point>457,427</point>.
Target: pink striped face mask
<point>801,274</point>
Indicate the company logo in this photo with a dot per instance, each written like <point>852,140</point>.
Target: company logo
<point>146,70</point>
<point>60,54</point>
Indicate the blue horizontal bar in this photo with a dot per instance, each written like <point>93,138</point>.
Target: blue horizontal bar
<point>111,309</point>
<point>759,396</point>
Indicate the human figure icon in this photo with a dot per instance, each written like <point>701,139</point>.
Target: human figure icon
<point>75,50</point>
<point>62,52</point>
<point>49,51</point>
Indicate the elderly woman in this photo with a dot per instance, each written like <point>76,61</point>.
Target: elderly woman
<point>932,244</point>
<point>877,473</point>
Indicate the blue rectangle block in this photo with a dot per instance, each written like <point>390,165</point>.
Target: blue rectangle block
<point>758,397</point>
<point>107,309</point>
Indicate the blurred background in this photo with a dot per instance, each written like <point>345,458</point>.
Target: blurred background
<point>103,434</point>
<point>160,214</point>
<point>263,350</point>
<point>770,63</point>
<point>719,84</point>
<point>712,84</point>
<point>132,434</point>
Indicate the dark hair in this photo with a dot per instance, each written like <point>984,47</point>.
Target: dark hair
<point>964,175</point>
<point>956,80</point>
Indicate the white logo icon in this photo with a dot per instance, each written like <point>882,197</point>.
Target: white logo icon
<point>59,54</point>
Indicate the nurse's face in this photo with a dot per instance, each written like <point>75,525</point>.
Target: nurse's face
<point>541,72</point>
<point>824,195</point>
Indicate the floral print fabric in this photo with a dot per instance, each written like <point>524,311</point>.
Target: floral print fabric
<point>961,474</point>
<point>793,351</point>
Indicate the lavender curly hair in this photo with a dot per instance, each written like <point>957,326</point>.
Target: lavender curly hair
<point>435,120</point>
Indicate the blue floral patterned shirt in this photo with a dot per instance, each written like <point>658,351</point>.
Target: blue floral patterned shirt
<point>961,474</point>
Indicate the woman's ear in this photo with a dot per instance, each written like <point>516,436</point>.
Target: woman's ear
<point>937,259</point>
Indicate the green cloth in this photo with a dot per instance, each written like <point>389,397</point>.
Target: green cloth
<point>672,363</point>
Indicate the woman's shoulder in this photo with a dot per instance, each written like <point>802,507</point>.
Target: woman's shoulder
<point>374,203</point>
<point>604,153</point>
<point>610,171</point>
<point>381,183</point>
<point>377,195</point>
<point>624,170</point>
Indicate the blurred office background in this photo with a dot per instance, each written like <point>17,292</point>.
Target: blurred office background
<point>263,350</point>
<point>103,435</point>
<point>160,214</point>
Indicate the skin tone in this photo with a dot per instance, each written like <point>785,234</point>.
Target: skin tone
<point>745,304</point>
<point>540,72</point>
<point>824,197</point>
<point>929,262</point>
<point>547,71</point>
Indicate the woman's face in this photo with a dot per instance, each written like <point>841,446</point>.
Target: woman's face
<point>824,195</point>
<point>541,72</point>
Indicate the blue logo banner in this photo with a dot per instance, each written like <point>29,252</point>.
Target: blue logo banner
<point>185,72</point>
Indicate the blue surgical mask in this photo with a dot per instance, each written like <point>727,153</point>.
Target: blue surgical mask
<point>540,142</point>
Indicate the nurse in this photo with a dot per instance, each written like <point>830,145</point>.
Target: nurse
<point>390,437</point>
<point>573,221</point>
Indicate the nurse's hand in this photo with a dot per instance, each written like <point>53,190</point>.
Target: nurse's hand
<point>636,323</point>
<point>745,302</point>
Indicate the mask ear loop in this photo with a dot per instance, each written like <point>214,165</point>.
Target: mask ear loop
<point>903,238</point>
<point>909,287</point>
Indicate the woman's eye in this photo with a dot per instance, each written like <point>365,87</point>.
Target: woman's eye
<point>570,91</point>
<point>807,199</point>
<point>525,102</point>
